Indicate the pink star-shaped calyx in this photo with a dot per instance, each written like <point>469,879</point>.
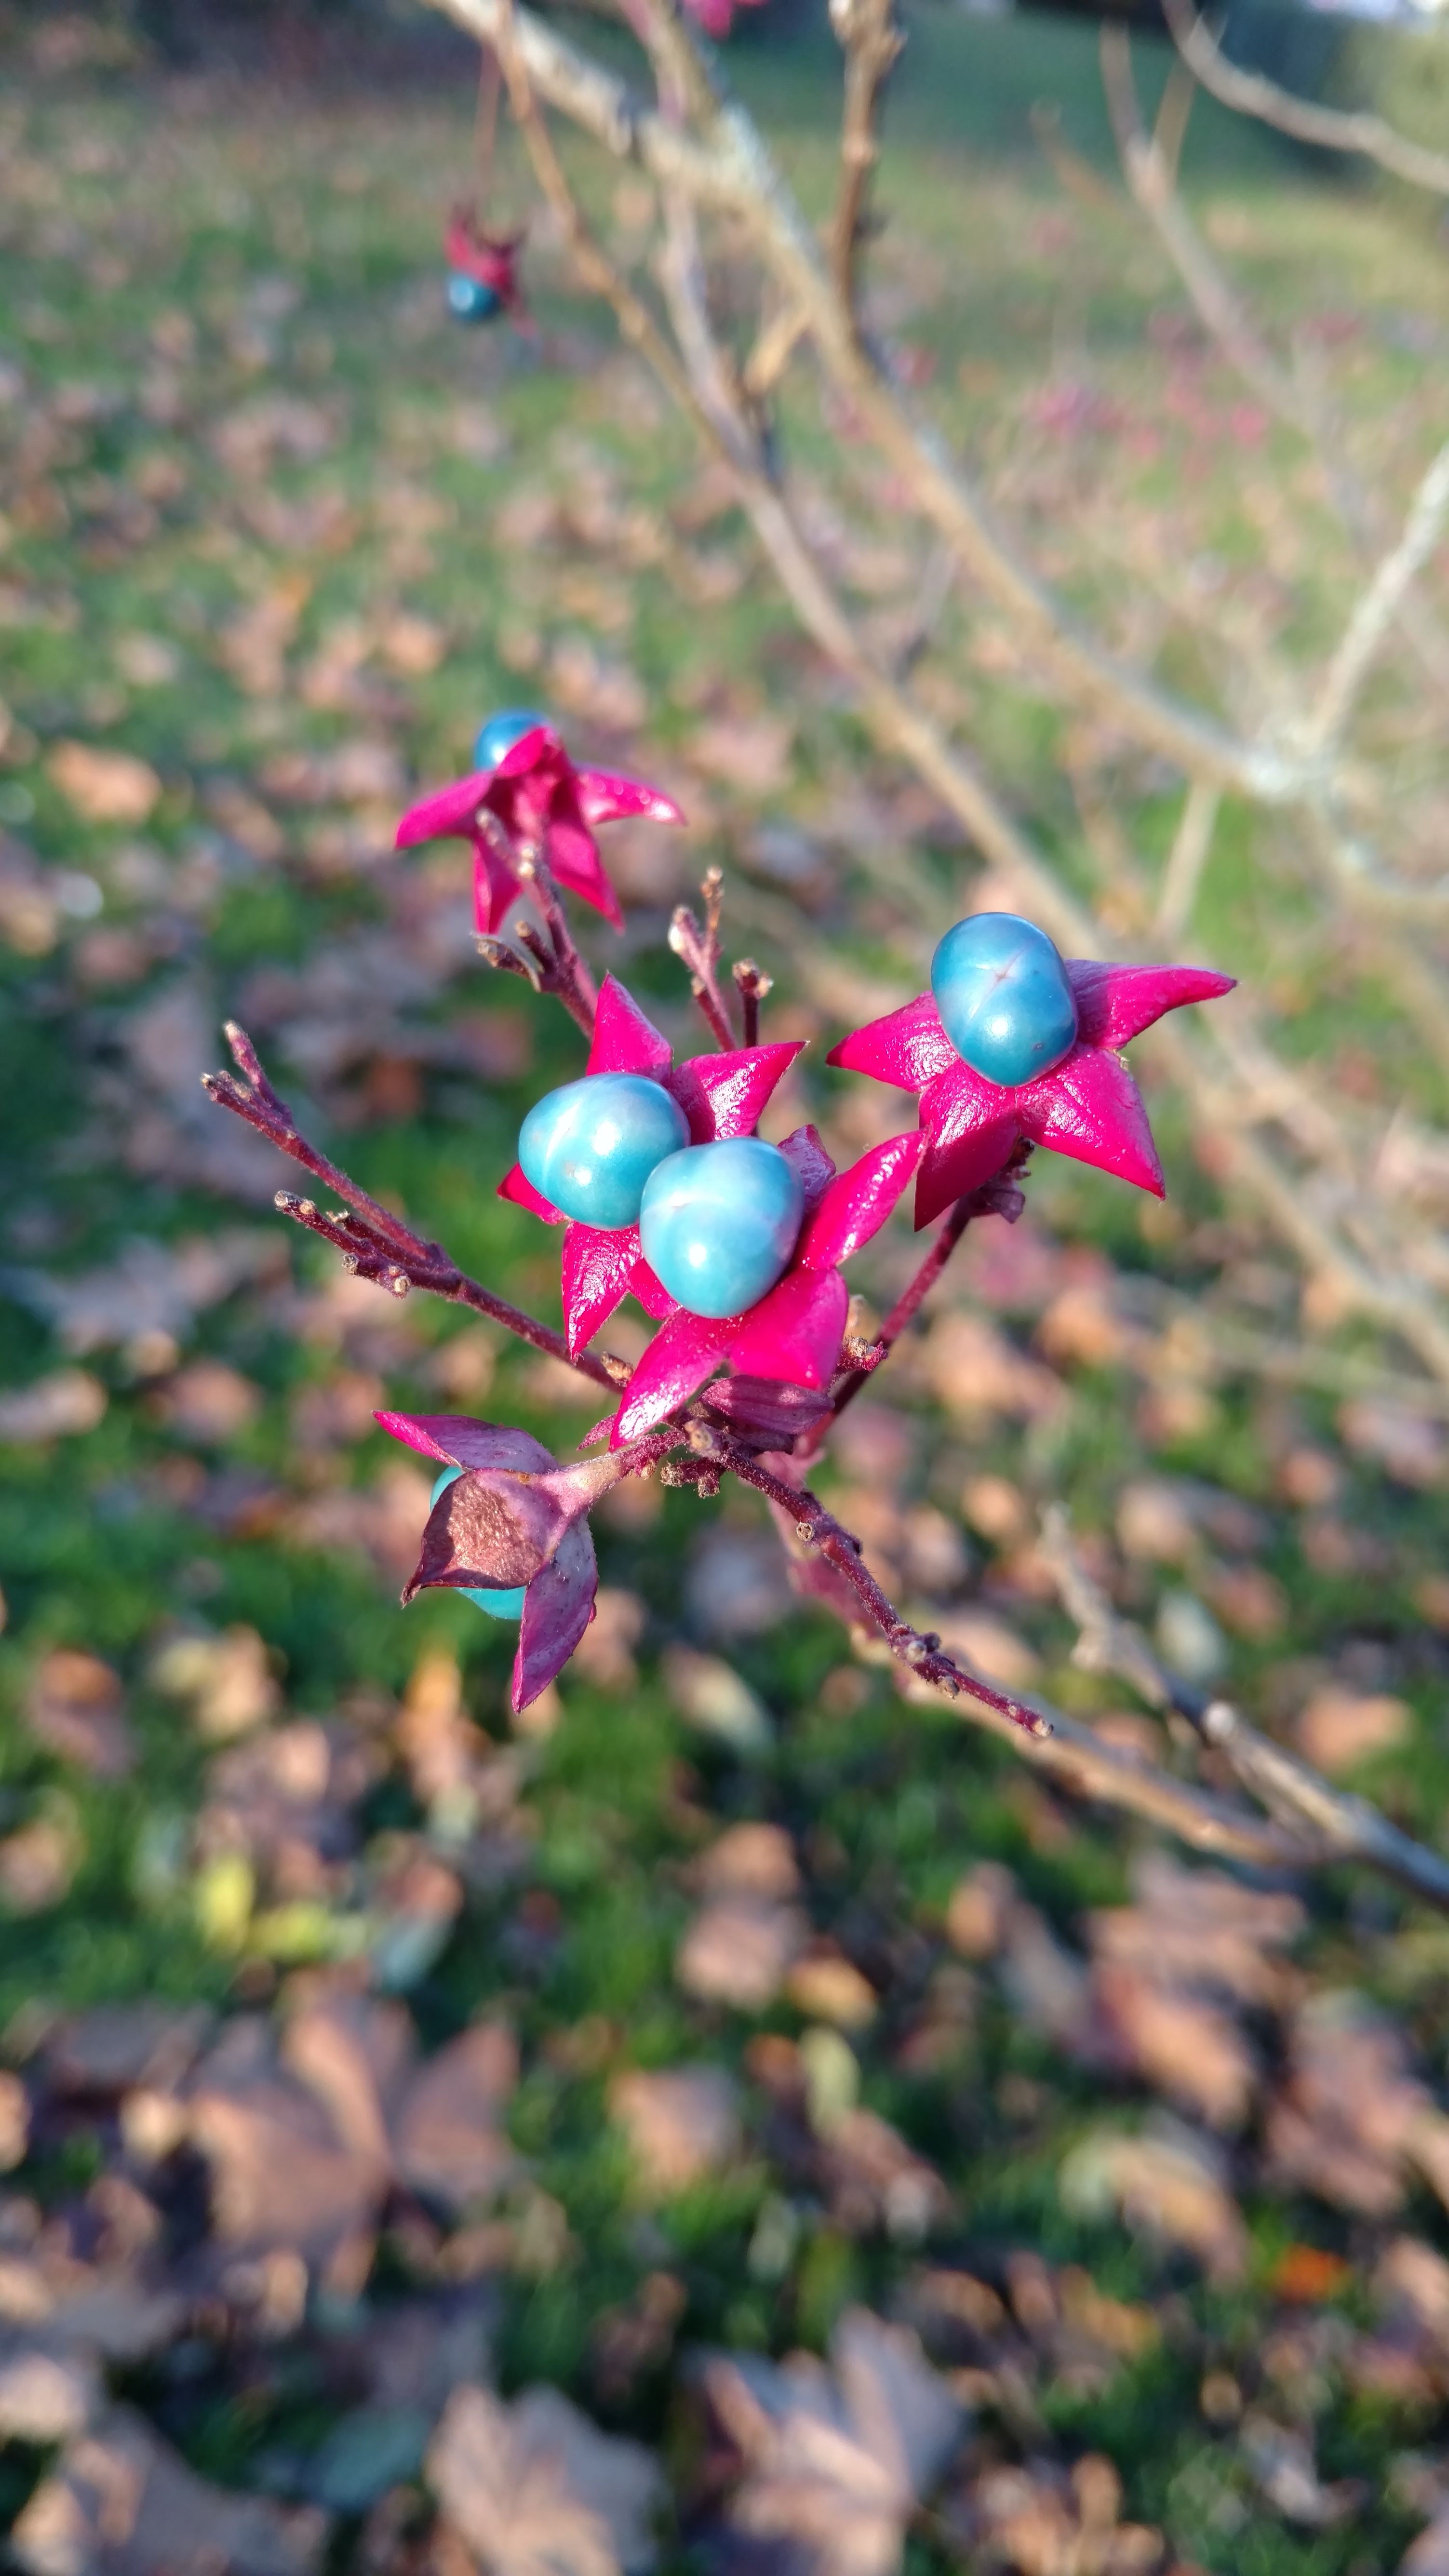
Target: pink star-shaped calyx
<point>716,17</point>
<point>720,1095</point>
<point>490,258</point>
<point>534,801</point>
<point>794,1334</point>
<point>1088,1106</point>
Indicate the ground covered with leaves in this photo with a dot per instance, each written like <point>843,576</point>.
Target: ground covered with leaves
<point>736,2117</point>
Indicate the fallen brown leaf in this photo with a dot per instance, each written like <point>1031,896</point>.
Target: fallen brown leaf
<point>76,1708</point>
<point>57,1407</point>
<point>121,2503</point>
<point>681,2123</point>
<point>533,2489</point>
<point>833,2460</point>
<point>1167,2181</point>
<point>1340,1728</point>
<point>738,1949</point>
<point>104,786</point>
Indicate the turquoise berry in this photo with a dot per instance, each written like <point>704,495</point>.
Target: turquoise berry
<point>589,1148</point>
<point>501,732</point>
<point>1003,996</point>
<point>469,300</point>
<point>499,1605</point>
<point>719,1222</point>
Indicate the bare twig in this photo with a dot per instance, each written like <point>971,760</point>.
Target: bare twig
<point>1152,180</point>
<point>699,949</point>
<point>485,126</point>
<point>778,341</point>
<point>1169,132</point>
<point>1379,606</point>
<point>938,580</point>
<point>374,1242</point>
<point>1186,860</point>
<point>562,970</point>
<point>752,984</point>
<point>1332,1825</point>
<point>872,43</point>
<point>1337,129</point>
<point>1000,1196</point>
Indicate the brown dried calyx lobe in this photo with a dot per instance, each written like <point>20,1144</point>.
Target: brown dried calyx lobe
<point>496,1527</point>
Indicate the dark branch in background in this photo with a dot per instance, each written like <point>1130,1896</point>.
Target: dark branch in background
<point>1337,129</point>
<point>872,42</point>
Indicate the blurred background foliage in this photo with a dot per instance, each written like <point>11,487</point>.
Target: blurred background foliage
<point>794,1996</point>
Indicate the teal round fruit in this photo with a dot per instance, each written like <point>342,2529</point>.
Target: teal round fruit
<point>1004,998</point>
<point>498,1605</point>
<point>718,1223</point>
<point>469,300</point>
<point>501,732</point>
<point>589,1148</point>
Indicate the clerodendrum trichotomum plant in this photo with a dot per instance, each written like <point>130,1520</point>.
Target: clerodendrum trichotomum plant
<point>734,1247</point>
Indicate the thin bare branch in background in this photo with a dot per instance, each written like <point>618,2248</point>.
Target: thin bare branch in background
<point>1335,1825</point>
<point>1337,129</point>
<point>1292,395</point>
<point>872,43</point>
<point>485,126</point>
<point>1152,178</point>
<point>730,171</point>
<point>1169,131</point>
<point>1186,860</point>
<point>1376,611</point>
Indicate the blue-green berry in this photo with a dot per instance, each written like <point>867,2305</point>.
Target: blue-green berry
<point>501,732</point>
<point>718,1223</point>
<point>1005,1002</point>
<point>469,300</point>
<point>499,1605</point>
<point>589,1148</point>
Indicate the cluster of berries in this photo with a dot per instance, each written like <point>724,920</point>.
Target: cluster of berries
<point>657,1172</point>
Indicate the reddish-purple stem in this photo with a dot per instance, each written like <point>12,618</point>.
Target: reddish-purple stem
<point>991,1198</point>
<point>377,1244</point>
<point>820,1529</point>
<point>700,951</point>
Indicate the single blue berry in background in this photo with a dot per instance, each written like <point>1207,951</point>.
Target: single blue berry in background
<point>469,300</point>
<point>590,1148</point>
<point>499,1605</point>
<point>719,1222</point>
<point>1003,996</point>
<point>501,732</point>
